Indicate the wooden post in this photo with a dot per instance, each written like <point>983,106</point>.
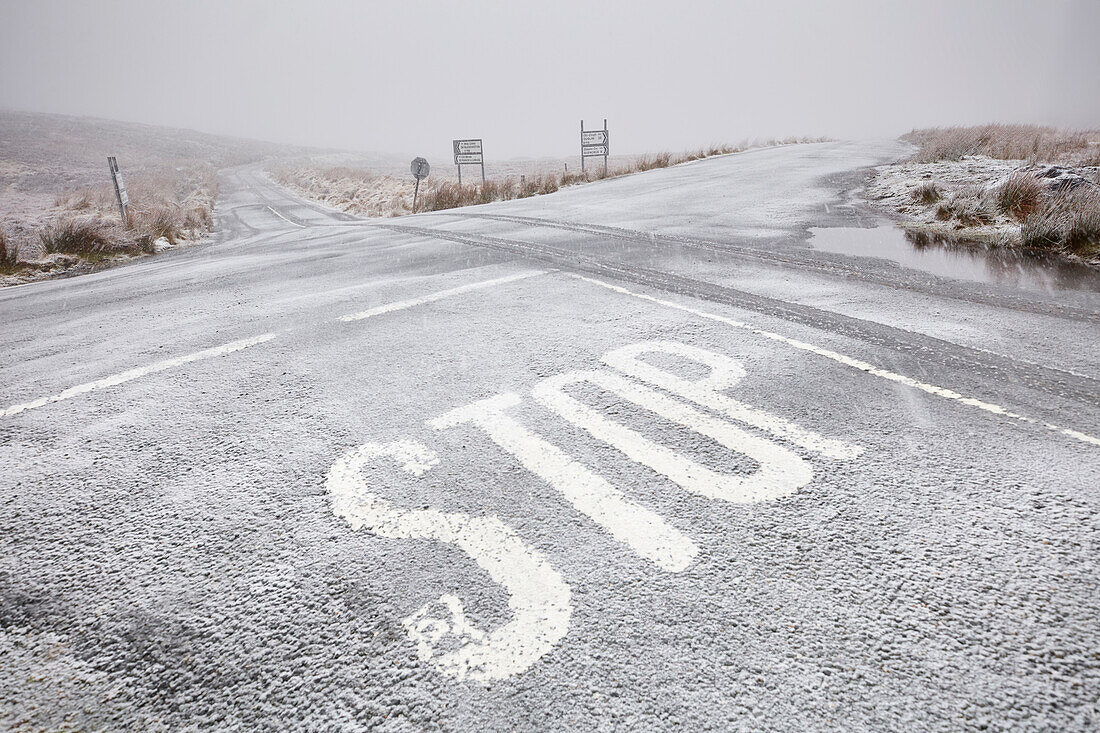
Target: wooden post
<point>112,165</point>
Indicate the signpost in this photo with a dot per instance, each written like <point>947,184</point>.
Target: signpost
<point>595,144</point>
<point>120,188</point>
<point>420,169</point>
<point>468,152</point>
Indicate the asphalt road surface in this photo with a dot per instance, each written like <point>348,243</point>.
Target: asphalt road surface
<point>629,456</point>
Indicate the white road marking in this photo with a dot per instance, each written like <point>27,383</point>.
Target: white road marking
<point>537,595</point>
<point>780,472</point>
<point>852,362</point>
<point>132,374</point>
<point>644,531</point>
<point>288,221</point>
<point>432,297</point>
<point>724,373</point>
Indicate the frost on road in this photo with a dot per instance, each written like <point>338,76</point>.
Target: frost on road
<point>629,455</point>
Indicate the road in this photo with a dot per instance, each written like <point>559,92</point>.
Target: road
<point>629,456</point>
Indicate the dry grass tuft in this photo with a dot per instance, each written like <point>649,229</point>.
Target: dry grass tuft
<point>927,193</point>
<point>1019,195</point>
<point>968,206</point>
<point>1068,221</point>
<point>86,235</point>
<point>1006,142</point>
<point>9,253</point>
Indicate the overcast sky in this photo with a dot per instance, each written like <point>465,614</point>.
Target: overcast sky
<point>407,76</point>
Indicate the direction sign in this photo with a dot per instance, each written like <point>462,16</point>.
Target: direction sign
<point>122,193</point>
<point>594,137</point>
<point>420,168</point>
<point>467,147</point>
<point>469,152</point>
<point>595,144</point>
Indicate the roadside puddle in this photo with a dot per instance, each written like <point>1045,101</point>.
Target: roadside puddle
<point>957,259</point>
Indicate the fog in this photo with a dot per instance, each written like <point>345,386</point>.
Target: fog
<point>409,76</point>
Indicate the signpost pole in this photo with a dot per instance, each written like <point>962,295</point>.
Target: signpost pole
<point>607,147</point>
<point>460,174</point>
<point>483,172</point>
<point>582,146</point>
<point>112,164</point>
<point>420,169</point>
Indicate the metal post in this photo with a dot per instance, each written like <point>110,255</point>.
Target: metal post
<point>483,170</point>
<point>416,192</point>
<point>606,147</point>
<point>459,174</point>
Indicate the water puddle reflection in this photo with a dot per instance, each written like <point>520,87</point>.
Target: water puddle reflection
<point>960,260</point>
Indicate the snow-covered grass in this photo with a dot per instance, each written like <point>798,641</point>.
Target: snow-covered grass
<point>362,192</point>
<point>1068,221</point>
<point>53,171</point>
<point>1003,202</point>
<point>84,227</point>
<point>1013,185</point>
<point>9,255</point>
<point>1007,142</point>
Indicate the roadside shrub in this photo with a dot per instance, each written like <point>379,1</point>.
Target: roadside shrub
<point>1068,221</point>
<point>660,160</point>
<point>927,193</point>
<point>9,253</point>
<point>968,206</point>
<point>1019,195</point>
<point>83,236</point>
<point>151,225</point>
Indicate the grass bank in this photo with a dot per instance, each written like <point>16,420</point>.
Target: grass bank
<point>84,228</point>
<point>1010,185</point>
<point>361,192</point>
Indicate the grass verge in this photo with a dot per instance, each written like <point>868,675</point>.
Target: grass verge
<point>1007,142</point>
<point>1009,185</point>
<point>9,254</point>
<point>1068,221</point>
<point>360,192</point>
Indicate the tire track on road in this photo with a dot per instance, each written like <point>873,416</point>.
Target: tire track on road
<point>923,348</point>
<point>946,288</point>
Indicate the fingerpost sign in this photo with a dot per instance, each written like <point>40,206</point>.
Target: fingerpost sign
<point>469,152</point>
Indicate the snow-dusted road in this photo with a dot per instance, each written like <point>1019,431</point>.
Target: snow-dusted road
<point>628,456</point>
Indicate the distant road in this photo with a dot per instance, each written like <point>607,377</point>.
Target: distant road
<point>629,456</point>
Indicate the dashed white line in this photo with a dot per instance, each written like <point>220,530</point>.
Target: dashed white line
<point>852,362</point>
<point>431,297</point>
<point>288,221</point>
<point>160,366</point>
<point>132,374</point>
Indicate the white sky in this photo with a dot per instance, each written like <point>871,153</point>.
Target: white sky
<point>408,76</point>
